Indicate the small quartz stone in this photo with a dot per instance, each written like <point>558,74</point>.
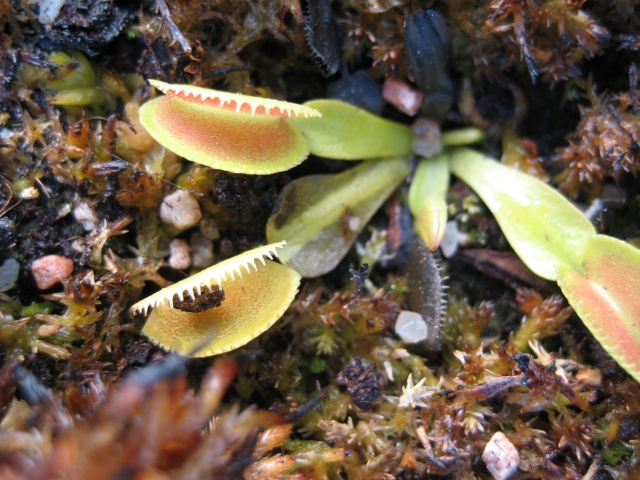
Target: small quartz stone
<point>449,245</point>
<point>180,254</point>
<point>501,457</point>
<point>49,10</point>
<point>202,251</point>
<point>209,228</point>
<point>411,327</point>
<point>86,216</point>
<point>29,193</point>
<point>180,210</point>
<point>50,270</point>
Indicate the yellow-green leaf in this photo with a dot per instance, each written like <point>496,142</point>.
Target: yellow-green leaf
<point>74,71</point>
<point>256,294</point>
<point>604,292</point>
<point>543,227</point>
<point>431,221</point>
<point>461,136</point>
<point>427,199</point>
<point>321,215</point>
<point>346,132</point>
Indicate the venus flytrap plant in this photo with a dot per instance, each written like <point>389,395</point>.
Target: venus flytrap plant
<point>78,87</point>
<point>322,215</point>
<point>222,307</point>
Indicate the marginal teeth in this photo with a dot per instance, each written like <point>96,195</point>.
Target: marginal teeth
<point>193,287</point>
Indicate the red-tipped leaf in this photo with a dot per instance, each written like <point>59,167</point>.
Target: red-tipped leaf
<point>606,296</point>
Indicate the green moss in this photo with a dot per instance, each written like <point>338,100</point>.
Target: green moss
<point>616,453</point>
<point>37,307</point>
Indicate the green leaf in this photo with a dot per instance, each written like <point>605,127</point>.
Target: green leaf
<point>431,179</point>
<point>74,71</point>
<point>544,228</point>
<point>321,215</point>
<point>604,293</point>
<point>431,221</point>
<point>345,132</point>
<point>427,199</point>
<point>81,97</point>
<point>461,136</point>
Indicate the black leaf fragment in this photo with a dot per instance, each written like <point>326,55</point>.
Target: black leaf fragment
<point>426,49</point>
<point>324,36</point>
<point>359,90</point>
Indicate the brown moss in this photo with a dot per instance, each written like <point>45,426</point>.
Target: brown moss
<point>603,146</point>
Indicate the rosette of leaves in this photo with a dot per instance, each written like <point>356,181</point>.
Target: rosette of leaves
<point>322,215</point>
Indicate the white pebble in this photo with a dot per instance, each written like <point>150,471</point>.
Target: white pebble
<point>85,215</point>
<point>354,224</point>
<point>180,210</point>
<point>411,327</point>
<point>501,457</point>
<point>209,228</point>
<point>29,193</point>
<point>202,251</point>
<point>449,245</point>
<point>51,269</point>
<point>180,256</point>
<point>49,10</point>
